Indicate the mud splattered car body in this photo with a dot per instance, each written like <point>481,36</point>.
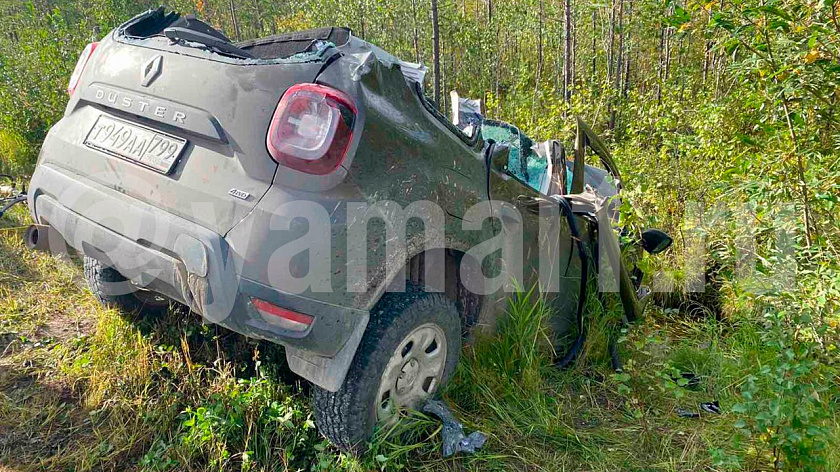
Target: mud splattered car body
<point>186,166</point>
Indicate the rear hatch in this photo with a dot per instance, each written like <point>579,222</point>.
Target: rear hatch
<point>181,124</point>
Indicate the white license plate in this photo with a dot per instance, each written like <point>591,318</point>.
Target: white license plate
<point>145,146</point>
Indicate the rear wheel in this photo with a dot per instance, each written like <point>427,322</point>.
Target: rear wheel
<point>409,351</point>
<point>113,290</point>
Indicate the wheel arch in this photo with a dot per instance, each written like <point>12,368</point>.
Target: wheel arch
<point>330,373</point>
<point>450,271</point>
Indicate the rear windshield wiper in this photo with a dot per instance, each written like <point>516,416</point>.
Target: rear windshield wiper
<point>212,42</point>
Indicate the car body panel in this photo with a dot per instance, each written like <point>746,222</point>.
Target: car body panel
<point>207,233</point>
<point>221,108</point>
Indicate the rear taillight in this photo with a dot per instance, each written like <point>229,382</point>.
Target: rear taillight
<point>281,317</point>
<point>311,129</point>
<point>80,67</point>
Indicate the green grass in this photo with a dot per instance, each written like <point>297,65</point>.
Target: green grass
<point>85,388</point>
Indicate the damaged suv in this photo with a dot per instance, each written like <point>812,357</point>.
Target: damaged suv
<point>301,189</point>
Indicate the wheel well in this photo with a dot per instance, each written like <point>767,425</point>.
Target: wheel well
<point>453,284</point>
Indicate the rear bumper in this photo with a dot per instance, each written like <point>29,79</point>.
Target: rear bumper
<point>180,259</point>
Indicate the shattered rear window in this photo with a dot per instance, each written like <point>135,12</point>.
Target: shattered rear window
<point>163,30</point>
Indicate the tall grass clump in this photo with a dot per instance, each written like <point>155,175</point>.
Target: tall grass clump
<point>522,348</point>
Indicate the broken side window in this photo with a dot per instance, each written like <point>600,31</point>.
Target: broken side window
<point>524,162</point>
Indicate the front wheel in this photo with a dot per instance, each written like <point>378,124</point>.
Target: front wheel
<point>409,351</point>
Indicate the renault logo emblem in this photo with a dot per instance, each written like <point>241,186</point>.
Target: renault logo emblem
<point>150,71</point>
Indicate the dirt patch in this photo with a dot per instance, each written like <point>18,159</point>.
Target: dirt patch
<point>23,383</point>
<point>58,328</point>
<point>42,415</point>
<point>62,328</point>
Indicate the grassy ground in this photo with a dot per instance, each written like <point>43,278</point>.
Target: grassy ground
<point>85,388</point>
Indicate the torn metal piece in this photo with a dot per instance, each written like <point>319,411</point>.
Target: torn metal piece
<point>687,414</point>
<point>711,407</point>
<point>363,67</point>
<point>708,407</point>
<point>454,440</point>
<point>365,53</point>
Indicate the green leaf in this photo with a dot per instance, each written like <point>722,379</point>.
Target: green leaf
<point>739,408</point>
<point>775,11</point>
<point>721,21</point>
<point>679,18</point>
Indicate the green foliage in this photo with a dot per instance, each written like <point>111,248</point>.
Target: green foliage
<point>785,404</point>
<point>726,107</point>
<point>523,346</point>
<point>251,422</point>
<point>16,151</point>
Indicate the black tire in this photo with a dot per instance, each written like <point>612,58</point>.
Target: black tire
<point>108,286</point>
<point>348,417</point>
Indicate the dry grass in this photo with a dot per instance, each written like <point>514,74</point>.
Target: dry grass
<point>85,388</point>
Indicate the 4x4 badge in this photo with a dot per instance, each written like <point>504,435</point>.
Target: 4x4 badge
<point>150,71</point>
<point>240,194</point>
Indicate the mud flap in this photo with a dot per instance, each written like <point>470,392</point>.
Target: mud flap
<point>327,372</point>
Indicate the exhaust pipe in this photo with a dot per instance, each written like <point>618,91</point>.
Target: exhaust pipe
<point>37,237</point>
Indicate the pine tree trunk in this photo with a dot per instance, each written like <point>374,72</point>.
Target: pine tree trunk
<point>619,66</point>
<point>540,37</point>
<point>538,75</point>
<point>436,49</point>
<point>567,50</point>
<point>611,43</point>
<point>273,13</point>
<point>660,75</point>
<point>592,78</point>
<point>498,61</point>
<point>573,74</point>
<point>362,18</point>
<point>258,13</point>
<point>416,34</point>
<point>629,50</point>
<point>620,51</point>
<point>443,73</point>
<point>667,70</point>
<point>235,22</point>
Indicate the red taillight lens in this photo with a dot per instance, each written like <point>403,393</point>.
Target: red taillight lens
<point>281,317</point>
<point>80,67</point>
<point>311,128</point>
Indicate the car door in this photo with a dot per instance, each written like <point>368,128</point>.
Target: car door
<point>539,237</point>
<point>613,275</point>
<point>549,256</point>
<point>508,191</point>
